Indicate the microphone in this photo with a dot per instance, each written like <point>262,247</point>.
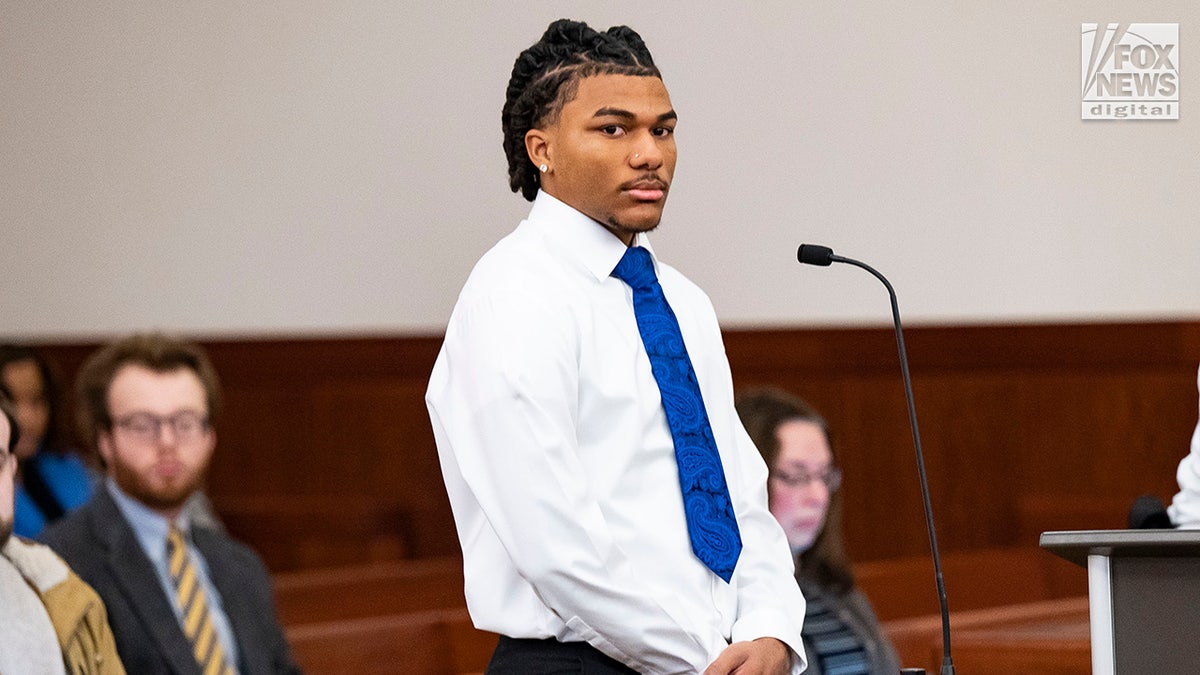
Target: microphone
<point>1149,513</point>
<point>823,256</point>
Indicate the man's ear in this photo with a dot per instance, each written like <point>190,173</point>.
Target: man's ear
<point>104,446</point>
<point>537,145</point>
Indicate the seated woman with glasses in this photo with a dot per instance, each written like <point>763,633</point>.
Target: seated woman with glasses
<point>841,633</point>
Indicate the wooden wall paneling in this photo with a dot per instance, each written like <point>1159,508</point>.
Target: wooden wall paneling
<point>1020,424</point>
<point>884,516</point>
<point>356,460</point>
<point>1095,441</point>
<point>265,441</point>
<point>966,445</point>
<point>327,439</point>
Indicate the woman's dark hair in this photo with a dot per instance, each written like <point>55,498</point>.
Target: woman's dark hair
<point>545,77</point>
<point>762,411</point>
<point>56,438</point>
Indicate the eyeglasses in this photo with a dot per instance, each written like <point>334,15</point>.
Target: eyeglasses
<point>147,427</point>
<point>831,477</point>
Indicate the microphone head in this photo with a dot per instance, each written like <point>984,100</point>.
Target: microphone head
<point>815,254</point>
<point>1148,513</point>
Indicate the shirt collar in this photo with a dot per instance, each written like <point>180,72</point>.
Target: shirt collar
<point>149,526</point>
<point>580,237</point>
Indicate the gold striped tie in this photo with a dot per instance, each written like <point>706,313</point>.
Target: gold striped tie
<point>197,621</point>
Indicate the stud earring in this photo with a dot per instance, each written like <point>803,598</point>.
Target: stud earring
<point>544,168</point>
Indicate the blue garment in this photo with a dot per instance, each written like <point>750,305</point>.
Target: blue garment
<point>712,525</point>
<point>68,479</point>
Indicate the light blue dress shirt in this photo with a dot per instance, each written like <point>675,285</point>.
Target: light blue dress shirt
<point>151,530</point>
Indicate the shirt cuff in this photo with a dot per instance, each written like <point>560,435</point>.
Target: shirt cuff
<point>776,624</point>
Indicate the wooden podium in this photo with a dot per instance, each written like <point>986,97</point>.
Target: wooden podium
<point>1143,597</point>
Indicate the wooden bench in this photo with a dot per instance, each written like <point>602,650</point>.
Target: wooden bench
<point>417,607</point>
<point>1048,638</point>
<point>363,591</point>
<point>300,532</point>
<point>906,587</point>
<point>897,588</point>
<point>432,642</point>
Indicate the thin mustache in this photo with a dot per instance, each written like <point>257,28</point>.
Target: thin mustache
<point>640,181</point>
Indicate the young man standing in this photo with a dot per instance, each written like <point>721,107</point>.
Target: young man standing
<point>611,508</point>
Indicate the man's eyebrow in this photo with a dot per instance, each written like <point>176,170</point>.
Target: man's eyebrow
<point>613,112</point>
<point>625,114</point>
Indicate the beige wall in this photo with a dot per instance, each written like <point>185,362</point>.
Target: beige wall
<point>234,168</point>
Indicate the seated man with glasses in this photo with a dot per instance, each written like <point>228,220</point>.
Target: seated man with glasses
<point>841,633</point>
<point>181,597</point>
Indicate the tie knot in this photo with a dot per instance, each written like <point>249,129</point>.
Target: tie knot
<point>175,538</point>
<point>636,268</point>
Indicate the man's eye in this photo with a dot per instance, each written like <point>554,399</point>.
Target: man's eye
<point>663,132</point>
<point>612,130</point>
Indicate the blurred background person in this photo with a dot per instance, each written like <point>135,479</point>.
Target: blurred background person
<point>52,622</point>
<point>181,597</point>
<point>52,479</point>
<point>841,633</point>
<point>1185,507</point>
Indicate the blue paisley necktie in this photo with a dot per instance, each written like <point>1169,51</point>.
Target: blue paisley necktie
<point>711,522</point>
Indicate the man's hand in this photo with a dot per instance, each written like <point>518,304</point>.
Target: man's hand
<point>764,656</point>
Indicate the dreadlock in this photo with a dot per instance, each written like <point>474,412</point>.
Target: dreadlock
<point>546,76</point>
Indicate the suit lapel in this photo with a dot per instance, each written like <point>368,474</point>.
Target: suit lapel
<point>139,582</point>
<point>228,578</point>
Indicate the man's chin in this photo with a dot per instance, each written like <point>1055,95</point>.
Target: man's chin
<point>633,226</point>
<point>161,497</point>
<point>644,216</point>
<point>162,493</point>
<point>801,541</point>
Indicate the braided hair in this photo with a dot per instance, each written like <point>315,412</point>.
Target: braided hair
<point>546,77</point>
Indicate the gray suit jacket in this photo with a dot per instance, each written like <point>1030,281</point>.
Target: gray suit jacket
<point>98,543</point>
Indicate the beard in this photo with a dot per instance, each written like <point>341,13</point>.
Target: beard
<point>158,495</point>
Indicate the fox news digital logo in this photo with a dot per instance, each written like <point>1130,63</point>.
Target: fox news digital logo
<point>1130,71</point>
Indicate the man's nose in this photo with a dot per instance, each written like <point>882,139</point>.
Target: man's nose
<point>165,434</point>
<point>646,154</point>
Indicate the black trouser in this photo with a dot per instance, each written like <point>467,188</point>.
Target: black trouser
<point>524,656</point>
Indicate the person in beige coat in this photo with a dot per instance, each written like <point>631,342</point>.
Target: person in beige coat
<point>54,622</point>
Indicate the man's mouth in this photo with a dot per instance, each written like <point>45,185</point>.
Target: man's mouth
<point>646,190</point>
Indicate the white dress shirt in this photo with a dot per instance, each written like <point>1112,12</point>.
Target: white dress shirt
<point>561,470</point>
<point>1185,508</point>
